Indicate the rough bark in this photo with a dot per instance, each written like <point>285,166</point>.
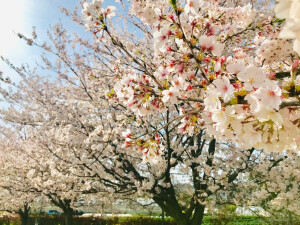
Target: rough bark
<point>65,205</point>
<point>181,217</point>
<point>24,214</point>
<point>166,199</point>
<point>168,202</point>
<point>198,215</point>
<point>68,213</point>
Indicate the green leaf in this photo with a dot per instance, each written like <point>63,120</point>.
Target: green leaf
<point>173,3</point>
<point>280,21</point>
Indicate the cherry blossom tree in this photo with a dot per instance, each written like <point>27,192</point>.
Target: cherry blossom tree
<point>192,97</point>
<point>90,149</point>
<point>16,190</point>
<point>58,116</point>
<point>273,186</point>
<point>44,171</point>
<point>37,169</point>
<point>214,65</point>
<point>222,61</point>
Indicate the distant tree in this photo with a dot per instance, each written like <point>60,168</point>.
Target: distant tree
<point>16,190</point>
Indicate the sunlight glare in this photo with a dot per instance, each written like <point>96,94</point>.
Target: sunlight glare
<point>12,21</point>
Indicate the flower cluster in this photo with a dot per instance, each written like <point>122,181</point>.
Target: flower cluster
<point>95,14</point>
<point>218,61</point>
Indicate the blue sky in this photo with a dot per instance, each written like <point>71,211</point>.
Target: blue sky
<point>19,16</point>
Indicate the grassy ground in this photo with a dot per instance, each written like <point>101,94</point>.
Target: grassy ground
<point>136,220</point>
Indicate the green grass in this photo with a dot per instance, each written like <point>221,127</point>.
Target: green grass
<point>241,220</point>
<point>147,220</point>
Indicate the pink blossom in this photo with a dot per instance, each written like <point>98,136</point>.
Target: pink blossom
<point>223,88</point>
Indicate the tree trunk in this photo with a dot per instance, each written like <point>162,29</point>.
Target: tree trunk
<point>196,219</point>
<point>65,205</point>
<point>198,215</point>
<point>291,222</point>
<point>180,217</point>
<point>68,214</point>
<point>24,214</point>
<point>24,220</point>
<point>166,197</point>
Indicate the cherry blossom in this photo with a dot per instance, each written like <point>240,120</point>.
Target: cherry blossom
<point>290,11</point>
<point>170,95</point>
<point>222,88</point>
<point>269,95</point>
<point>211,45</point>
<point>252,77</point>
